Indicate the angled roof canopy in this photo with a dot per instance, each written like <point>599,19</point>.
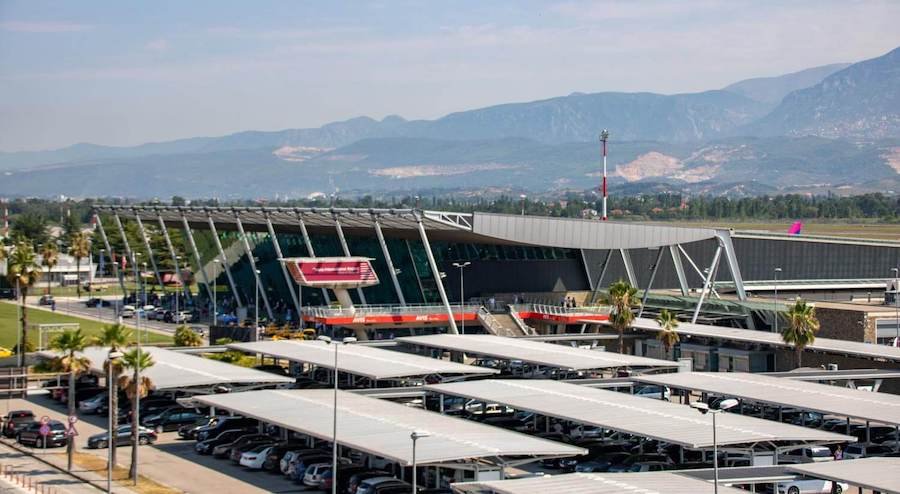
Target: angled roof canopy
<point>367,361</point>
<point>877,474</point>
<point>383,428</point>
<point>596,483</point>
<point>535,352</point>
<point>647,417</point>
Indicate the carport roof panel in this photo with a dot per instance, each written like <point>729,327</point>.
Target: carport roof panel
<point>597,483</point>
<point>547,354</point>
<point>383,428</point>
<point>173,370</point>
<point>361,360</point>
<point>823,398</point>
<point>647,417</point>
<point>877,474</point>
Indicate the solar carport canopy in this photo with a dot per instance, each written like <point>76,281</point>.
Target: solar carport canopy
<point>646,417</point>
<point>597,483</point>
<point>360,360</point>
<point>534,352</point>
<point>877,474</point>
<point>383,428</point>
<point>173,370</point>
<point>845,402</point>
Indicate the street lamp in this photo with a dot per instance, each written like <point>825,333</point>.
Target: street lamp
<point>334,444</point>
<point>415,436</point>
<point>715,410</point>
<point>256,307</point>
<point>896,284</point>
<point>523,196</point>
<point>177,289</point>
<point>777,270</point>
<point>112,435</point>
<point>215,291</point>
<point>462,319</point>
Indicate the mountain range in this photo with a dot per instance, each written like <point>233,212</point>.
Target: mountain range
<point>835,127</point>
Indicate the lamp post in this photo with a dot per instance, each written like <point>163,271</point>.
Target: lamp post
<point>177,289</point>
<point>415,436</point>
<point>717,409</point>
<point>334,444</point>
<point>777,270</point>
<point>462,295</point>
<point>523,197</point>
<point>136,419</point>
<point>215,291</point>
<point>896,284</point>
<point>256,308</point>
<point>111,434</point>
<point>99,303</point>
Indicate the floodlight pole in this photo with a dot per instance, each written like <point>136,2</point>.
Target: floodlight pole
<point>415,436</point>
<point>604,136</point>
<point>334,443</point>
<point>777,270</point>
<point>715,456</point>
<point>462,319</point>
<point>896,303</point>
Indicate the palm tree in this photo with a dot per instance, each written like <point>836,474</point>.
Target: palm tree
<point>116,337</point>
<point>667,322</point>
<point>137,360</point>
<point>69,343</point>
<point>79,248</point>
<point>23,272</point>
<point>801,327</point>
<point>185,336</point>
<point>622,298</point>
<point>49,258</point>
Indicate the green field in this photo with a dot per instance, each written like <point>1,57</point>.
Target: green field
<point>9,324</point>
<point>883,231</point>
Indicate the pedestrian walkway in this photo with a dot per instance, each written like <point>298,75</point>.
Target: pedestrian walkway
<point>25,473</point>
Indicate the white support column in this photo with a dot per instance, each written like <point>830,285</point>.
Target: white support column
<point>165,232</point>
<point>724,237</point>
<point>146,240</point>
<point>309,248</point>
<point>437,274</point>
<point>128,253</point>
<point>707,282</point>
<point>196,253</point>
<point>109,252</point>
<point>412,260</point>
<point>603,269</point>
<point>287,276</point>
<point>388,260</point>
<point>224,259</point>
<point>249,252</point>
<point>679,270</point>
<point>694,265</point>
<point>346,249</point>
<point>629,267</point>
<point>653,270</point>
<point>587,272</point>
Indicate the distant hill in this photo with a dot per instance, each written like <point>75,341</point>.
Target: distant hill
<point>861,101</point>
<point>772,90</point>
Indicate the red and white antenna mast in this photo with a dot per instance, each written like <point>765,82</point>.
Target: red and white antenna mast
<point>604,136</point>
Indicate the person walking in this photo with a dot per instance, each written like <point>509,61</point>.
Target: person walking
<point>839,453</point>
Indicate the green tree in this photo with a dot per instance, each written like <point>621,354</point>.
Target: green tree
<point>49,259</point>
<point>668,323</point>
<point>185,336</point>
<point>23,272</point>
<point>79,248</point>
<point>31,227</point>
<point>137,361</point>
<point>116,337</point>
<point>69,344</point>
<point>622,298</point>
<point>801,328</point>
<point>70,227</point>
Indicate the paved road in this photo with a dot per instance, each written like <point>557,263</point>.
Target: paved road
<point>170,461</point>
<point>38,472</point>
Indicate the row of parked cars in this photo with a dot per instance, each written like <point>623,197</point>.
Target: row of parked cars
<point>240,440</point>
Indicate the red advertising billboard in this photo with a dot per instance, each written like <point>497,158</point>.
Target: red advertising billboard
<point>332,272</point>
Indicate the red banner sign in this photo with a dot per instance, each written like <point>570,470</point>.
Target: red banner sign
<point>333,272</point>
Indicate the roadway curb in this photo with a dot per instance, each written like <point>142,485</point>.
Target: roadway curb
<point>30,454</point>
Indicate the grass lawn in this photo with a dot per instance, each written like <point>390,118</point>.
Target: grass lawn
<point>9,324</point>
<point>883,231</point>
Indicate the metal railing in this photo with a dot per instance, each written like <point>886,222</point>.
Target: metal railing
<point>491,322</point>
<point>560,310</point>
<point>526,329</point>
<point>362,310</point>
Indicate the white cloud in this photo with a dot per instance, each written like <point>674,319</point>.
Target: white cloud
<point>44,26</point>
<point>157,45</point>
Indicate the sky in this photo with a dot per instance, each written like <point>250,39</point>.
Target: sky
<point>124,73</point>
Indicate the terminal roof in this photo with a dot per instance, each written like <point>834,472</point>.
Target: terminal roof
<point>877,474</point>
<point>361,360</point>
<point>534,352</point>
<point>827,345</point>
<point>383,428</point>
<point>845,402</point>
<point>596,483</point>
<point>172,370</point>
<point>647,417</point>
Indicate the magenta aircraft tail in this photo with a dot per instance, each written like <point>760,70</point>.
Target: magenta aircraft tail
<point>795,228</point>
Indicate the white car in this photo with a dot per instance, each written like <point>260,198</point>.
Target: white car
<point>314,472</point>
<point>653,391</point>
<point>814,454</point>
<point>127,311</point>
<point>255,457</point>
<point>863,450</point>
<point>810,486</point>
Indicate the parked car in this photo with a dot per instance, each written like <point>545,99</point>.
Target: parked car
<point>809,486</point>
<point>189,431</point>
<point>178,318</point>
<point>126,312</point>
<point>31,435</point>
<point>83,393</point>
<point>224,450</point>
<point>300,462</point>
<point>172,419</point>
<point>346,472</point>
<point>356,479</point>
<point>274,369</point>
<point>809,419</point>
<point>225,437</point>
<point>46,300</point>
<point>653,391</point>
<point>375,485</point>
<point>123,437</point>
<point>255,457</point>
<point>156,314</point>
<point>237,451</point>
<point>650,466</point>
<point>812,454</point>
<point>272,462</point>
<point>224,424</point>
<point>16,420</point>
<point>286,463</point>
<point>313,475</point>
<point>96,301</point>
<point>862,450</point>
